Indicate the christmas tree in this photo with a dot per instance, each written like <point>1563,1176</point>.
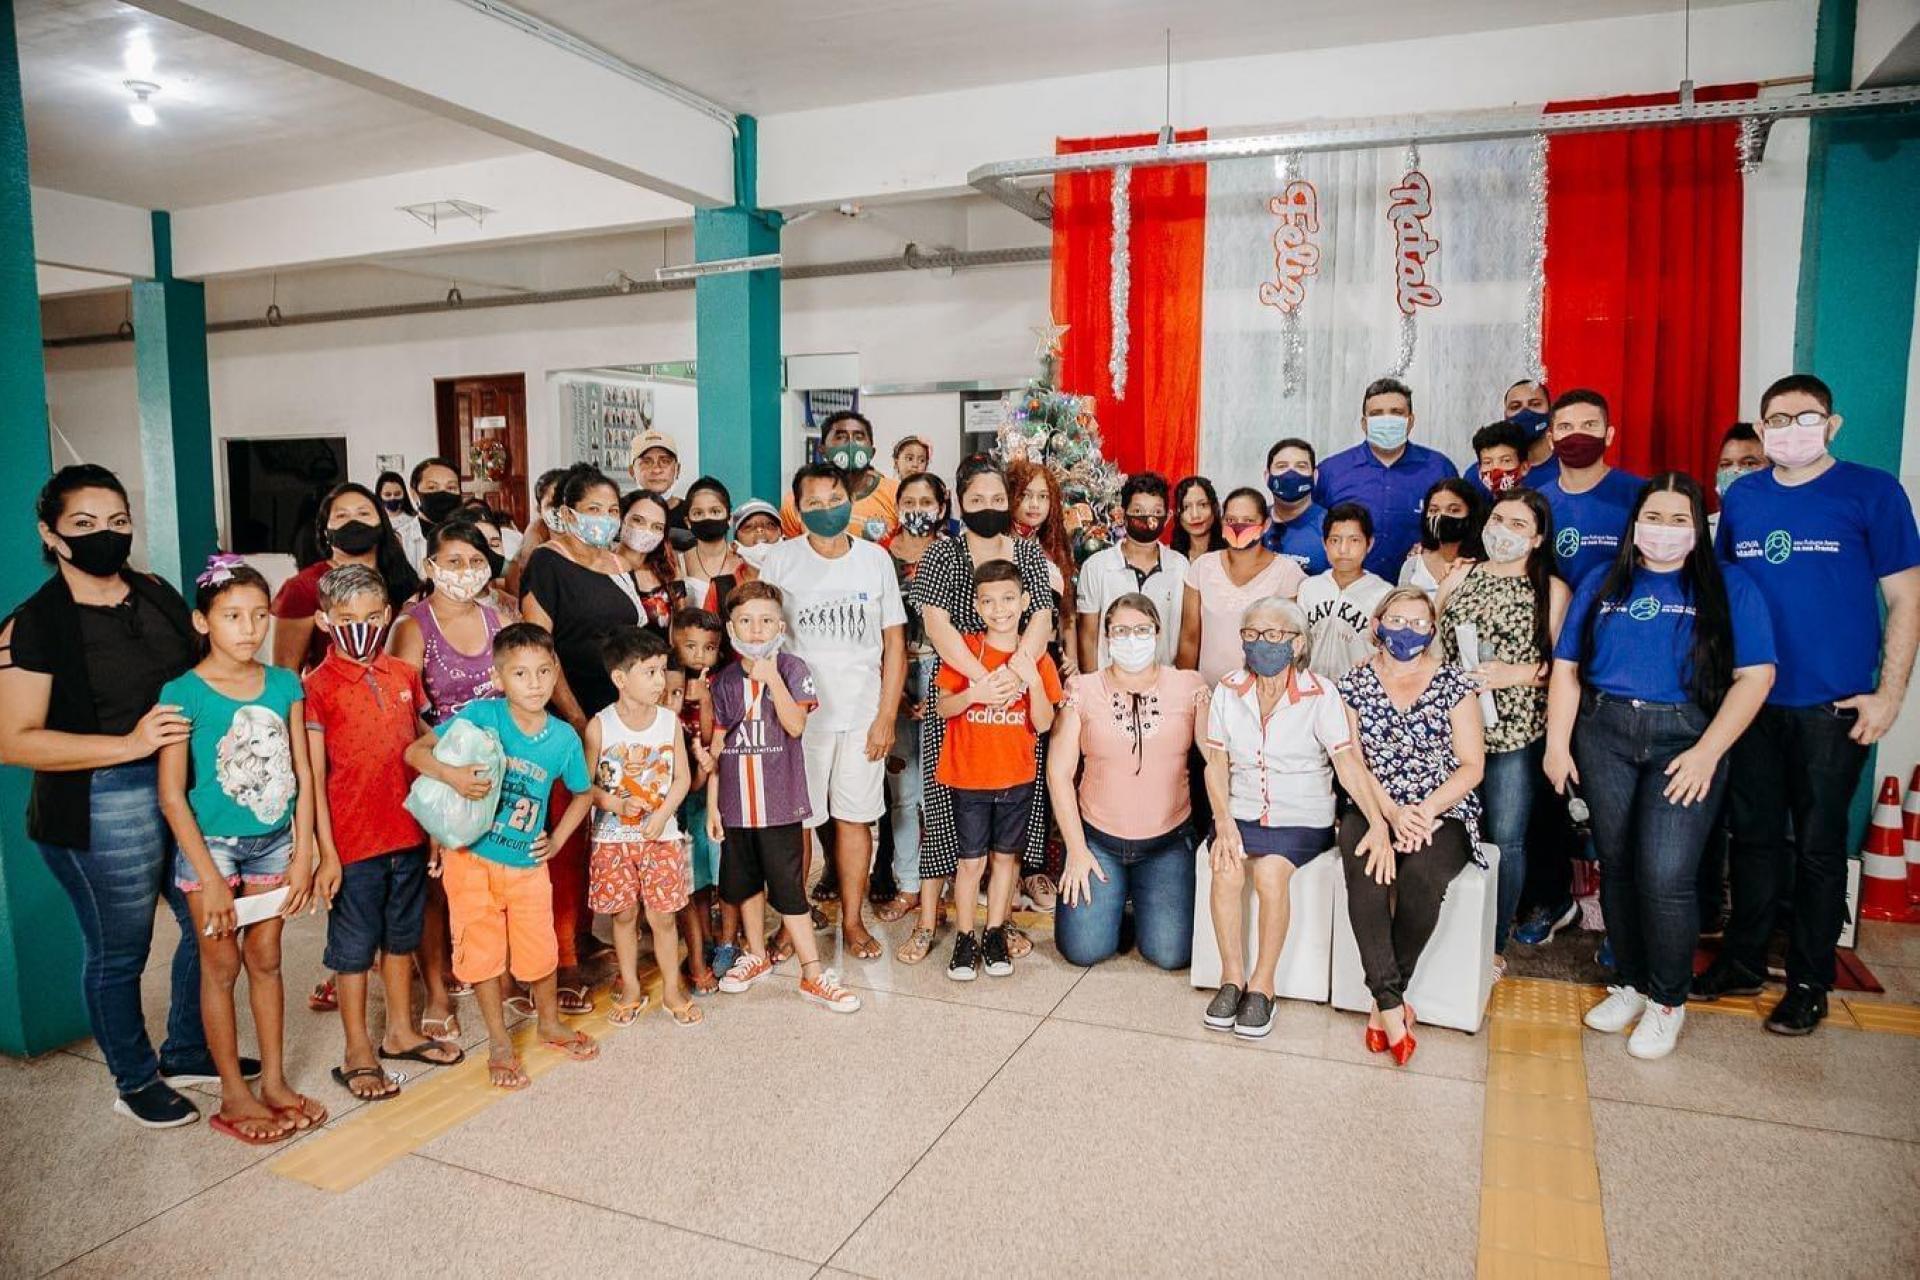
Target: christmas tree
<point>1045,424</point>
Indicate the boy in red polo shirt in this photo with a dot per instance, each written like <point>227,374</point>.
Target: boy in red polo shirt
<point>363,712</point>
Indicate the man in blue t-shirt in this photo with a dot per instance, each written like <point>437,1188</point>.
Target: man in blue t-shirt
<point>1824,540</point>
<point>1295,530</point>
<point>1527,406</point>
<point>1386,474</point>
<point>1591,501</point>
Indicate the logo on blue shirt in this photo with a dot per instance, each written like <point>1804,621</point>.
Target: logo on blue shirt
<point>1779,546</point>
<point>1566,543</point>
<point>1644,609</point>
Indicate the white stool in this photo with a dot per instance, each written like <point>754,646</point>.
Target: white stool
<point>1451,984</point>
<point>1305,956</point>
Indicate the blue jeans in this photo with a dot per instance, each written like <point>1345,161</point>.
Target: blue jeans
<point>905,788</point>
<point>1506,792</point>
<point>115,887</point>
<point>1158,876</point>
<point>1649,847</point>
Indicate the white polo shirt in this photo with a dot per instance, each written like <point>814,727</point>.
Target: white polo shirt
<point>1282,769</point>
<point>1106,576</point>
<point>1341,622</point>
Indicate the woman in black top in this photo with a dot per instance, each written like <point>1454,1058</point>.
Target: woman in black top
<point>577,587</point>
<point>81,666</point>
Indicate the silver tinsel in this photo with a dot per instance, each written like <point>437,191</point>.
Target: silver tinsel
<point>1119,286</point>
<point>1293,342</point>
<point>1537,272</point>
<point>1752,142</point>
<point>1409,334</point>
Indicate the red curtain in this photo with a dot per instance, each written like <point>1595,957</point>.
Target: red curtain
<point>1643,280</point>
<point>1155,425</point>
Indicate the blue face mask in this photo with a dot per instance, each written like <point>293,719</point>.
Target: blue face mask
<point>1531,421</point>
<point>596,531</point>
<point>1290,486</point>
<point>828,522</point>
<point>1267,657</point>
<point>1404,643</point>
<point>1387,430</point>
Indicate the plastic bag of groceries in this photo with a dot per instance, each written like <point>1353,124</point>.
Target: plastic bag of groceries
<point>449,817</point>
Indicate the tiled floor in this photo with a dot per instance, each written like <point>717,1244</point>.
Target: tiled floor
<point>1060,1122</point>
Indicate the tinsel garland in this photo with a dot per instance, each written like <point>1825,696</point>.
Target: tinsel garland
<point>1120,285</point>
<point>1752,142</point>
<point>1537,270</point>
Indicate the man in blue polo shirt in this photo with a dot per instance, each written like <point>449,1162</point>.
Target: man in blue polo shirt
<point>1824,540</point>
<point>1527,406</point>
<point>1386,474</point>
<point>1591,501</point>
<point>1295,530</point>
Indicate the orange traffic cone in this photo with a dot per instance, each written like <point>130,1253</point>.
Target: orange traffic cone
<point>1883,878</point>
<point>1910,813</point>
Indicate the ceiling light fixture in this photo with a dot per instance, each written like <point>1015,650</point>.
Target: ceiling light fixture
<point>141,110</point>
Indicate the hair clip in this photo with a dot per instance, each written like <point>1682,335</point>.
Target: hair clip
<point>220,567</point>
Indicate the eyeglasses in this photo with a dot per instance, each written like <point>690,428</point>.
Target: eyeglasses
<point>1272,635</point>
<point>1422,625</point>
<point>1145,631</point>
<point>1805,418</point>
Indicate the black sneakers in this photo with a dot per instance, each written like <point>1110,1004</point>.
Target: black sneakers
<point>1723,978</point>
<point>993,950</point>
<point>157,1106</point>
<point>1798,1012</point>
<point>1223,1008</point>
<point>1256,1016</point>
<point>965,960</point>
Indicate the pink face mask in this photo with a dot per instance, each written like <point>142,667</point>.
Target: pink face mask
<point>1795,446</point>
<point>1663,543</point>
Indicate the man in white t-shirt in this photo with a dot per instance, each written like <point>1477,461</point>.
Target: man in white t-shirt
<point>1339,603</point>
<point>846,620</point>
<point>1139,564</point>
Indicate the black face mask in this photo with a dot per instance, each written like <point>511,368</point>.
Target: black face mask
<point>710,530</point>
<point>1448,528</point>
<point>355,537</point>
<point>496,563</point>
<point>438,506</point>
<point>100,554</point>
<point>1145,528</point>
<point>987,522</point>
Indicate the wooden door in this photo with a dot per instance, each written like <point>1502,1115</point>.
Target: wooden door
<point>483,432</point>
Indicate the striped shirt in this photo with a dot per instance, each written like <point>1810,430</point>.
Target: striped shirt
<point>763,769</point>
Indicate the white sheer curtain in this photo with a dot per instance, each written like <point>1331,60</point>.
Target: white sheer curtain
<point>1469,348</point>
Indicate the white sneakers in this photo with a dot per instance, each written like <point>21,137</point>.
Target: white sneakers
<point>1657,1028</point>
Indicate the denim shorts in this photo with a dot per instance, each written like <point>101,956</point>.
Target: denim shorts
<point>380,907</point>
<point>992,821</point>
<point>259,861</point>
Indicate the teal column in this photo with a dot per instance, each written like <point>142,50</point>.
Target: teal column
<point>737,338</point>
<point>40,1006</point>
<point>176,416</point>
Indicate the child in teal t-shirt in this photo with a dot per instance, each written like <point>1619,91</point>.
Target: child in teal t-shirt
<point>241,753</point>
<point>533,762</point>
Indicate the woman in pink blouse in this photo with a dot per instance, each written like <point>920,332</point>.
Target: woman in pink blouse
<point>1127,825</point>
<point>1222,584</point>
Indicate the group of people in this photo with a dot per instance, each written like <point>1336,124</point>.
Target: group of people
<point>691,698</point>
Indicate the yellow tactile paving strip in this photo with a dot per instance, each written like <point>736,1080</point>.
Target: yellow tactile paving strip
<point>1540,1211</point>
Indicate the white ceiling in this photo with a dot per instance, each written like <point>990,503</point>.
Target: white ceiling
<point>233,123</point>
<point>767,56</point>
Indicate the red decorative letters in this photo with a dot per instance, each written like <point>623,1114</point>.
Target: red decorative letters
<point>1295,257</point>
<point>1411,205</point>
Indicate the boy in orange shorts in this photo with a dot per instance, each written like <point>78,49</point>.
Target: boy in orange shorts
<point>499,899</point>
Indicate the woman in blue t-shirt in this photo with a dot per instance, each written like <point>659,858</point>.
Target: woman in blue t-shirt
<point>1663,661</point>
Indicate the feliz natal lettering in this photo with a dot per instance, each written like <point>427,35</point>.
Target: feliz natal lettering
<point>1294,256</point>
<point>1412,205</point>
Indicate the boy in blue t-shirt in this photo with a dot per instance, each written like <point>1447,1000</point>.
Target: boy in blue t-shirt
<point>1591,501</point>
<point>1823,540</point>
<point>499,898</point>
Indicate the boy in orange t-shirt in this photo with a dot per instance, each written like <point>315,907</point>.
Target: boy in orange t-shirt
<point>987,762</point>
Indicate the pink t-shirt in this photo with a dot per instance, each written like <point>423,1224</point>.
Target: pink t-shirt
<point>1133,751</point>
<point>1222,605</point>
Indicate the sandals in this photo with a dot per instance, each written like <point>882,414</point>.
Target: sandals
<point>782,950</point>
<point>420,1052</point>
<point>1018,943</point>
<point>703,984</point>
<point>323,998</point>
<point>447,1028</point>
<point>220,1124</point>
<point>896,908</point>
<point>345,1078</point>
<point>867,948</point>
<point>916,948</point>
<point>511,1068</point>
<point>575,1001</point>
<point>687,1015</point>
<point>303,1118</point>
<point>625,1011</point>
<point>521,1004</point>
<point>579,1046</point>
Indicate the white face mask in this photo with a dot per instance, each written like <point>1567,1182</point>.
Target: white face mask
<point>642,540</point>
<point>1132,653</point>
<point>747,649</point>
<point>460,585</point>
<point>1503,545</point>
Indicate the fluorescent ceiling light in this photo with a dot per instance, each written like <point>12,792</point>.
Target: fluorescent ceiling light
<point>719,267</point>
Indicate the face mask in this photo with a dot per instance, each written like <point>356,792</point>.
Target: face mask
<point>1664,543</point>
<point>749,650</point>
<point>918,524</point>
<point>1724,477</point>
<point>1503,545</point>
<point>355,537</point>
<point>394,506</point>
<point>852,456</point>
<point>1267,657</point>
<point>460,585</point>
<point>987,522</point>
<point>595,531</point>
<point>1145,528</point>
<point>1579,449</point>
<point>1502,479</point>
<point>1132,653</point>
<point>555,522</point>
<point>496,563</point>
<point>1404,643</point>
<point>438,506</point>
<point>357,640</point>
<point>828,522</point>
<point>99,554</point>
<point>1290,486</point>
<point>1387,430</point>
<point>1447,529</point>
<point>641,540</point>
<point>1795,446</point>
<point>1241,536</point>
<point>1531,421</point>
<point>709,530</point>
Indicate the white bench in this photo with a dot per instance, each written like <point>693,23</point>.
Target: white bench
<point>1454,978</point>
<point>1305,956</point>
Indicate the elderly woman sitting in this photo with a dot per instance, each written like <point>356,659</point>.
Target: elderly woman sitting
<point>1275,735</point>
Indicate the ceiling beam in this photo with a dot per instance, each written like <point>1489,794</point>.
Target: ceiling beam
<point>83,234</point>
<point>485,65</point>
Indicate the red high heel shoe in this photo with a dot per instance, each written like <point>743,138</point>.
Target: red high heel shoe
<point>1403,1051</point>
<point>1376,1040</point>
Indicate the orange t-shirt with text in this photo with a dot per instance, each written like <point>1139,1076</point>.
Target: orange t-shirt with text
<point>991,748</point>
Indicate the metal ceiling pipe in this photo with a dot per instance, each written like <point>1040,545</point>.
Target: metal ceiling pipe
<point>911,260</point>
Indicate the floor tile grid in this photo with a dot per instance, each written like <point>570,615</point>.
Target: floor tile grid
<point>1540,1207</point>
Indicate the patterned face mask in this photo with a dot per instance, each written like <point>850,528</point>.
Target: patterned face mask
<point>358,640</point>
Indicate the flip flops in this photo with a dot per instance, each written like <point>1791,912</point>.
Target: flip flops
<point>579,1046</point>
<point>687,1015</point>
<point>419,1054</point>
<point>323,998</point>
<point>220,1124</point>
<point>625,1011</point>
<point>345,1078</point>
<point>518,1080</point>
<point>575,1001</point>
<point>447,1028</point>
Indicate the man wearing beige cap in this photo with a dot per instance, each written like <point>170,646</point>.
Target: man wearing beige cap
<point>654,463</point>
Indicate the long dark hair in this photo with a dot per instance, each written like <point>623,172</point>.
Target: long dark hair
<point>1181,540</point>
<point>1540,562</point>
<point>389,557</point>
<point>406,496</point>
<point>1476,516</point>
<point>936,486</point>
<point>1709,667</point>
<point>659,561</point>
